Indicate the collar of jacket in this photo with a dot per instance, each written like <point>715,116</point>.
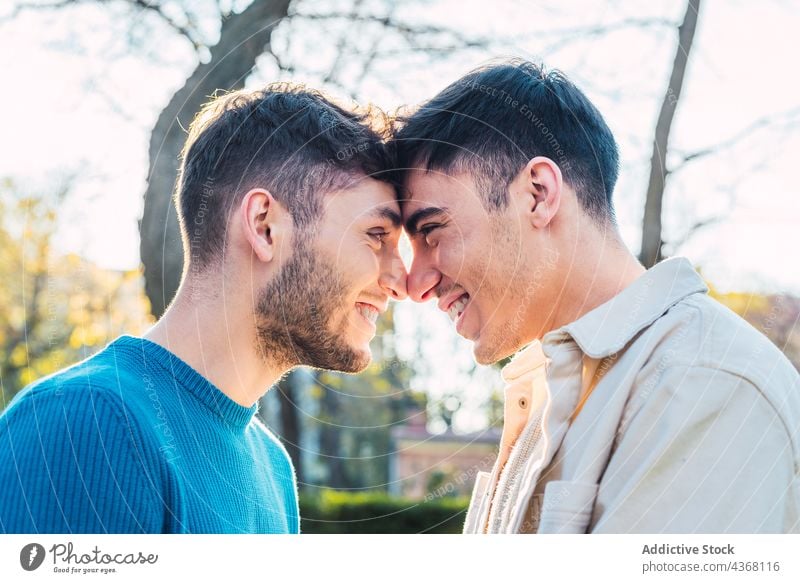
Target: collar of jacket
<point>609,327</point>
<point>524,361</point>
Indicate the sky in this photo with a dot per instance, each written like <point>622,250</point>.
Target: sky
<point>82,88</point>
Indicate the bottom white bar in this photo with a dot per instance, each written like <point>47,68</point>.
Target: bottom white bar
<point>389,558</point>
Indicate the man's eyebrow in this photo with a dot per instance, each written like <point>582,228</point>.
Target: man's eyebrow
<point>390,214</point>
<point>420,215</point>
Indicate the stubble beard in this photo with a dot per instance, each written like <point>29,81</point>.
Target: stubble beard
<point>505,283</point>
<point>296,316</point>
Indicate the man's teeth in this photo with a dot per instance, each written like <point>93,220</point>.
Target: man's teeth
<point>458,307</point>
<point>369,312</point>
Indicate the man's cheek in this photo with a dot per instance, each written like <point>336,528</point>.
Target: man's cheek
<point>453,255</point>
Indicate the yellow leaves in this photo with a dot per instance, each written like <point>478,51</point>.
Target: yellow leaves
<point>76,338</point>
<point>27,376</point>
<point>92,334</point>
<point>19,356</point>
<point>72,261</point>
<point>50,364</point>
<point>63,303</point>
<point>744,303</point>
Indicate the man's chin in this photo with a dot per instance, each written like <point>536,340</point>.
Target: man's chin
<point>490,354</point>
<point>357,364</point>
<point>351,360</point>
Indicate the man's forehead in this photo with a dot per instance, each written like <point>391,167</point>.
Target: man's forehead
<point>431,189</point>
<point>420,188</point>
<point>369,191</point>
<point>367,198</point>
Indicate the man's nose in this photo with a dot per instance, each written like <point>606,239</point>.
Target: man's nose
<point>422,281</point>
<point>394,279</point>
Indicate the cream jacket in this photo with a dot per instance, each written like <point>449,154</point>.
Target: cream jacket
<point>661,411</point>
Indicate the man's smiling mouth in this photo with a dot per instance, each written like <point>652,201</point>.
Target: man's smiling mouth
<point>369,312</point>
<point>458,306</point>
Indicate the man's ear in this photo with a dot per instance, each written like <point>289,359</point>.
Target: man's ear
<point>264,223</point>
<point>542,184</point>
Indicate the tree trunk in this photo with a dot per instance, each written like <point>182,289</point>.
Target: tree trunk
<point>243,38</point>
<point>288,394</point>
<point>651,228</point>
<point>330,436</point>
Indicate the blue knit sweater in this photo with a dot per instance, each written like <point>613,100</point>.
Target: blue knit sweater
<point>133,440</point>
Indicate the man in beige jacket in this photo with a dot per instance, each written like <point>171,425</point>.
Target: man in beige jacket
<point>635,403</point>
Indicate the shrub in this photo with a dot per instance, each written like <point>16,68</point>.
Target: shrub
<point>332,511</point>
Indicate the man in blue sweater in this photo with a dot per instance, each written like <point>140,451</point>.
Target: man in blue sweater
<point>290,230</point>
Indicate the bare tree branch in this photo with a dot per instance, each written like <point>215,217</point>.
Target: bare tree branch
<point>569,36</point>
<point>565,35</point>
<point>694,228</point>
<point>341,46</point>
<point>158,10</point>
<point>142,5</point>
<point>787,119</point>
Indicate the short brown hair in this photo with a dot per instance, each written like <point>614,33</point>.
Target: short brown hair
<point>289,139</point>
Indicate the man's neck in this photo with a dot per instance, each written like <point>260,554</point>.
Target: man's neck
<point>599,271</point>
<point>218,344</point>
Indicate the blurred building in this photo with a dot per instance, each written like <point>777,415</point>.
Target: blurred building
<point>426,465</point>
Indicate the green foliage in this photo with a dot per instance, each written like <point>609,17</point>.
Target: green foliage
<point>332,511</point>
<point>436,480</point>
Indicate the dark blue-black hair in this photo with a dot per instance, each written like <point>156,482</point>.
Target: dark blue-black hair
<point>492,121</point>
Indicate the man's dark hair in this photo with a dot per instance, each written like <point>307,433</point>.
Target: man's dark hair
<point>286,138</point>
<point>492,121</point>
